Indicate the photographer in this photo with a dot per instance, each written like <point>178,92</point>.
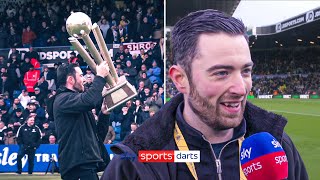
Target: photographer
<point>28,138</point>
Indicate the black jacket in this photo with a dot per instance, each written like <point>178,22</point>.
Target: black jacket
<point>76,127</point>
<point>29,136</point>
<point>157,134</point>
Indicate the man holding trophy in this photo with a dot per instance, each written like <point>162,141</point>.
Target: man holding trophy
<point>81,152</point>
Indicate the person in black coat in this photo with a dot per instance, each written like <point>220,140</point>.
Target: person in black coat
<point>80,155</point>
<point>28,138</point>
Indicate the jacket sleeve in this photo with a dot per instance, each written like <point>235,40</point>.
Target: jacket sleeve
<point>77,102</point>
<point>119,169</point>
<point>296,167</point>
<point>18,136</point>
<point>38,140</point>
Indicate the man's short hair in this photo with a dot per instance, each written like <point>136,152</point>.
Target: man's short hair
<point>64,71</point>
<point>186,32</point>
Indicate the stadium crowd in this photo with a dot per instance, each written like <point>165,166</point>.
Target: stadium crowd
<point>25,85</point>
<point>42,23</point>
<point>294,71</point>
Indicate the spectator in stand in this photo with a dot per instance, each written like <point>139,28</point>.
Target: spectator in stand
<point>136,63</point>
<point>130,73</point>
<point>145,79</point>
<point>134,127</point>
<point>89,74</point>
<point>127,55</point>
<point>73,58</point>
<point>15,105</point>
<point>5,83</point>
<point>62,36</point>
<point>125,119</point>
<point>53,41</point>
<point>146,94</point>
<point>40,96</point>
<point>147,60</point>
<point>52,139</point>
<point>30,79</point>
<point>16,120</point>
<point>120,52</point>
<point>155,87</point>
<point>46,132</point>
<point>3,129</point>
<point>24,98</point>
<point>154,100</point>
<point>29,139</point>
<point>122,34</point>
<point>3,62</point>
<point>32,54</point>
<point>137,112</point>
<point>161,93</point>
<point>14,39</point>
<point>3,37</point>
<point>43,34</point>
<point>25,66</point>
<point>154,73</point>
<point>145,30</point>
<point>49,77</point>
<point>42,84</point>
<point>153,110</point>
<point>28,36</point>
<point>10,137</point>
<point>88,83</point>
<point>104,27</point>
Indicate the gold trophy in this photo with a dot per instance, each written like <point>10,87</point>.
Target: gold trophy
<point>118,89</point>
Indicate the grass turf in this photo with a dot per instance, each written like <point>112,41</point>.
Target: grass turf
<point>303,127</point>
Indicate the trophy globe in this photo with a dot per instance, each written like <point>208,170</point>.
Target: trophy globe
<point>78,24</point>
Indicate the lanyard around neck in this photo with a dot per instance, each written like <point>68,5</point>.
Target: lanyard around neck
<point>182,146</point>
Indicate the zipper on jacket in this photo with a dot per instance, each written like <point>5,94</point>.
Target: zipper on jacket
<point>217,160</point>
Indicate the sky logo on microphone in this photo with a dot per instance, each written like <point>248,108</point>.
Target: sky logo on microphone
<point>263,158</point>
<point>276,144</point>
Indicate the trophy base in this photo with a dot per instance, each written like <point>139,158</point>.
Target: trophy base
<point>118,94</point>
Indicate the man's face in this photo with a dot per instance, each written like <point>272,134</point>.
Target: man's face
<point>134,127</point>
<point>32,107</point>
<point>78,83</point>
<point>37,91</point>
<point>45,125</point>
<point>18,114</point>
<point>89,79</point>
<point>52,139</point>
<point>30,121</point>
<point>221,80</point>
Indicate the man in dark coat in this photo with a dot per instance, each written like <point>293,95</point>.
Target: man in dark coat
<point>78,137</point>
<point>29,139</point>
<point>211,114</point>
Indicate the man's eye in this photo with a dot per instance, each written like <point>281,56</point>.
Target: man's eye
<point>221,73</point>
<point>247,71</point>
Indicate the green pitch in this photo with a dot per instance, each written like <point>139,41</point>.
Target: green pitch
<point>303,127</point>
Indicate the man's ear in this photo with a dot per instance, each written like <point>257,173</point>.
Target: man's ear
<point>70,79</point>
<point>179,78</point>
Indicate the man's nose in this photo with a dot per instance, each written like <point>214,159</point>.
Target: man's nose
<point>238,85</point>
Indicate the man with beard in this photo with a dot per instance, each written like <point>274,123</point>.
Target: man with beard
<point>80,155</point>
<point>212,70</point>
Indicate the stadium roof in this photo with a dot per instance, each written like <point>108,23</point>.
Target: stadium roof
<point>179,8</point>
<point>299,31</point>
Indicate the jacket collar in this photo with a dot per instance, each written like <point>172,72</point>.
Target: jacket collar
<point>157,132</point>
